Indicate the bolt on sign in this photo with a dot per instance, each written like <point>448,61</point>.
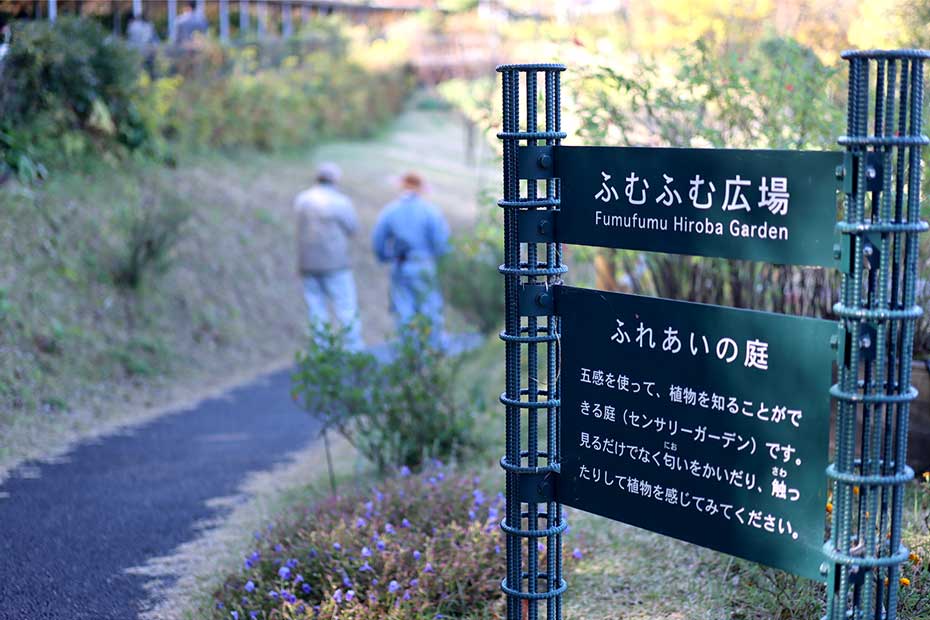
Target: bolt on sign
<point>705,423</point>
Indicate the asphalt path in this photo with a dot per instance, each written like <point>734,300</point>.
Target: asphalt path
<point>70,530</point>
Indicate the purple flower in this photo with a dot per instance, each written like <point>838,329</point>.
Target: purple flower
<point>298,578</point>
<point>234,614</point>
<point>360,522</point>
<point>346,581</point>
<point>379,496</point>
<point>428,568</point>
<point>404,471</point>
<point>416,555</point>
<point>365,568</point>
<point>441,475</point>
<point>219,605</point>
<point>576,553</point>
<point>272,594</point>
<point>337,546</point>
<point>350,595</point>
<point>305,588</point>
<point>540,546</point>
<point>245,601</point>
<point>374,582</point>
<point>253,615</point>
<point>278,547</point>
<point>432,480</point>
<point>372,597</point>
<point>249,586</point>
<point>405,523</point>
<point>414,582</point>
<point>388,528</point>
<point>369,507</point>
<point>497,549</point>
<point>393,586</point>
<point>284,572</point>
<point>406,595</point>
<point>292,563</point>
<point>471,515</point>
<point>287,596</point>
<point>301,609</point>
<point>366,552</point>
<point>478,497</point>
<point>337,596</point>
<point>380,545</point>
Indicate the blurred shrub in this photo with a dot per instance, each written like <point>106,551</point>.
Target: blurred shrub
<point>303,101</point>
<point>70,89</point>
<point>418,547</point>
<point>66,76</point>
<point>396,412</point>
<point>469,276</point>
<point>142,237</point>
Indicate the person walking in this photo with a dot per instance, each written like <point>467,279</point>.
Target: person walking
<point>326,221</point>
<point>412,234</point>
<point>190,23</point>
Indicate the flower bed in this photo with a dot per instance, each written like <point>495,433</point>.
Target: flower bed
<point>424,546</point>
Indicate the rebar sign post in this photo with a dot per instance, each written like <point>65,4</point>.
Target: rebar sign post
<point>533,513</point>
<point>751,391</point>
<point>877,312</point>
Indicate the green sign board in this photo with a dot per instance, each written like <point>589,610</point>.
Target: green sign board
<point>704,423</point>
<point>773,206</point>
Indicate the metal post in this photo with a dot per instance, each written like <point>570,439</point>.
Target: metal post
<point>224,21</point>
<point>52,10</point>
<point>173,20</point>
<point>243,18</point>
<point>878,312</point>
<point>262,18</point>
<point>286,27</point>
<point>525,393</point>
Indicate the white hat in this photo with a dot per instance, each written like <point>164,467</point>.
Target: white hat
<point>328,171</point>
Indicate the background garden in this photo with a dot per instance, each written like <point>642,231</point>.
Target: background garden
<point>146,252</point>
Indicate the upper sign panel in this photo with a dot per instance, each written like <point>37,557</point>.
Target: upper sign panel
<point>772,206</point>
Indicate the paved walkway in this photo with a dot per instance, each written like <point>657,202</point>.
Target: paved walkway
<point>69,531</point>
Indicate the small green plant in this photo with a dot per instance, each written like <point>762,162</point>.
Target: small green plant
<point>470,279</point>
<point>396,412</point>
<point>146,234</point>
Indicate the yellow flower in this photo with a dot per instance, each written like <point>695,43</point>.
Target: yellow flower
<point>914,558</point>
<point>904,581</point>
<point>829,507</point>
<point>856,491</point>
<point>926,476</point>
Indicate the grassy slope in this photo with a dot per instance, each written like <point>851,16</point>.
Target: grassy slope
<point>78,356</point>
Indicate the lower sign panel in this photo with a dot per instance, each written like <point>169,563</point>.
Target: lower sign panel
<point>704,423</point>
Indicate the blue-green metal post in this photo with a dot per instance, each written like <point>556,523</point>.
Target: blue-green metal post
<point>878,311</point>
<point>532,526</point>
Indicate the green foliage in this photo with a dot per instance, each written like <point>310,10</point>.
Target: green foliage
<point>469,276</point>
<point>70,75</point>
<point>142,238</point>
<point>16,158</point>
<point>304,100</point>
<point>776,94</point>
<point>397,412</point>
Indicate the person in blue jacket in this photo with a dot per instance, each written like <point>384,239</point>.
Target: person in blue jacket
<point>411,234</point>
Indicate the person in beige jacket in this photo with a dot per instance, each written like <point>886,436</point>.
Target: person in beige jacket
<point>326,221</point>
